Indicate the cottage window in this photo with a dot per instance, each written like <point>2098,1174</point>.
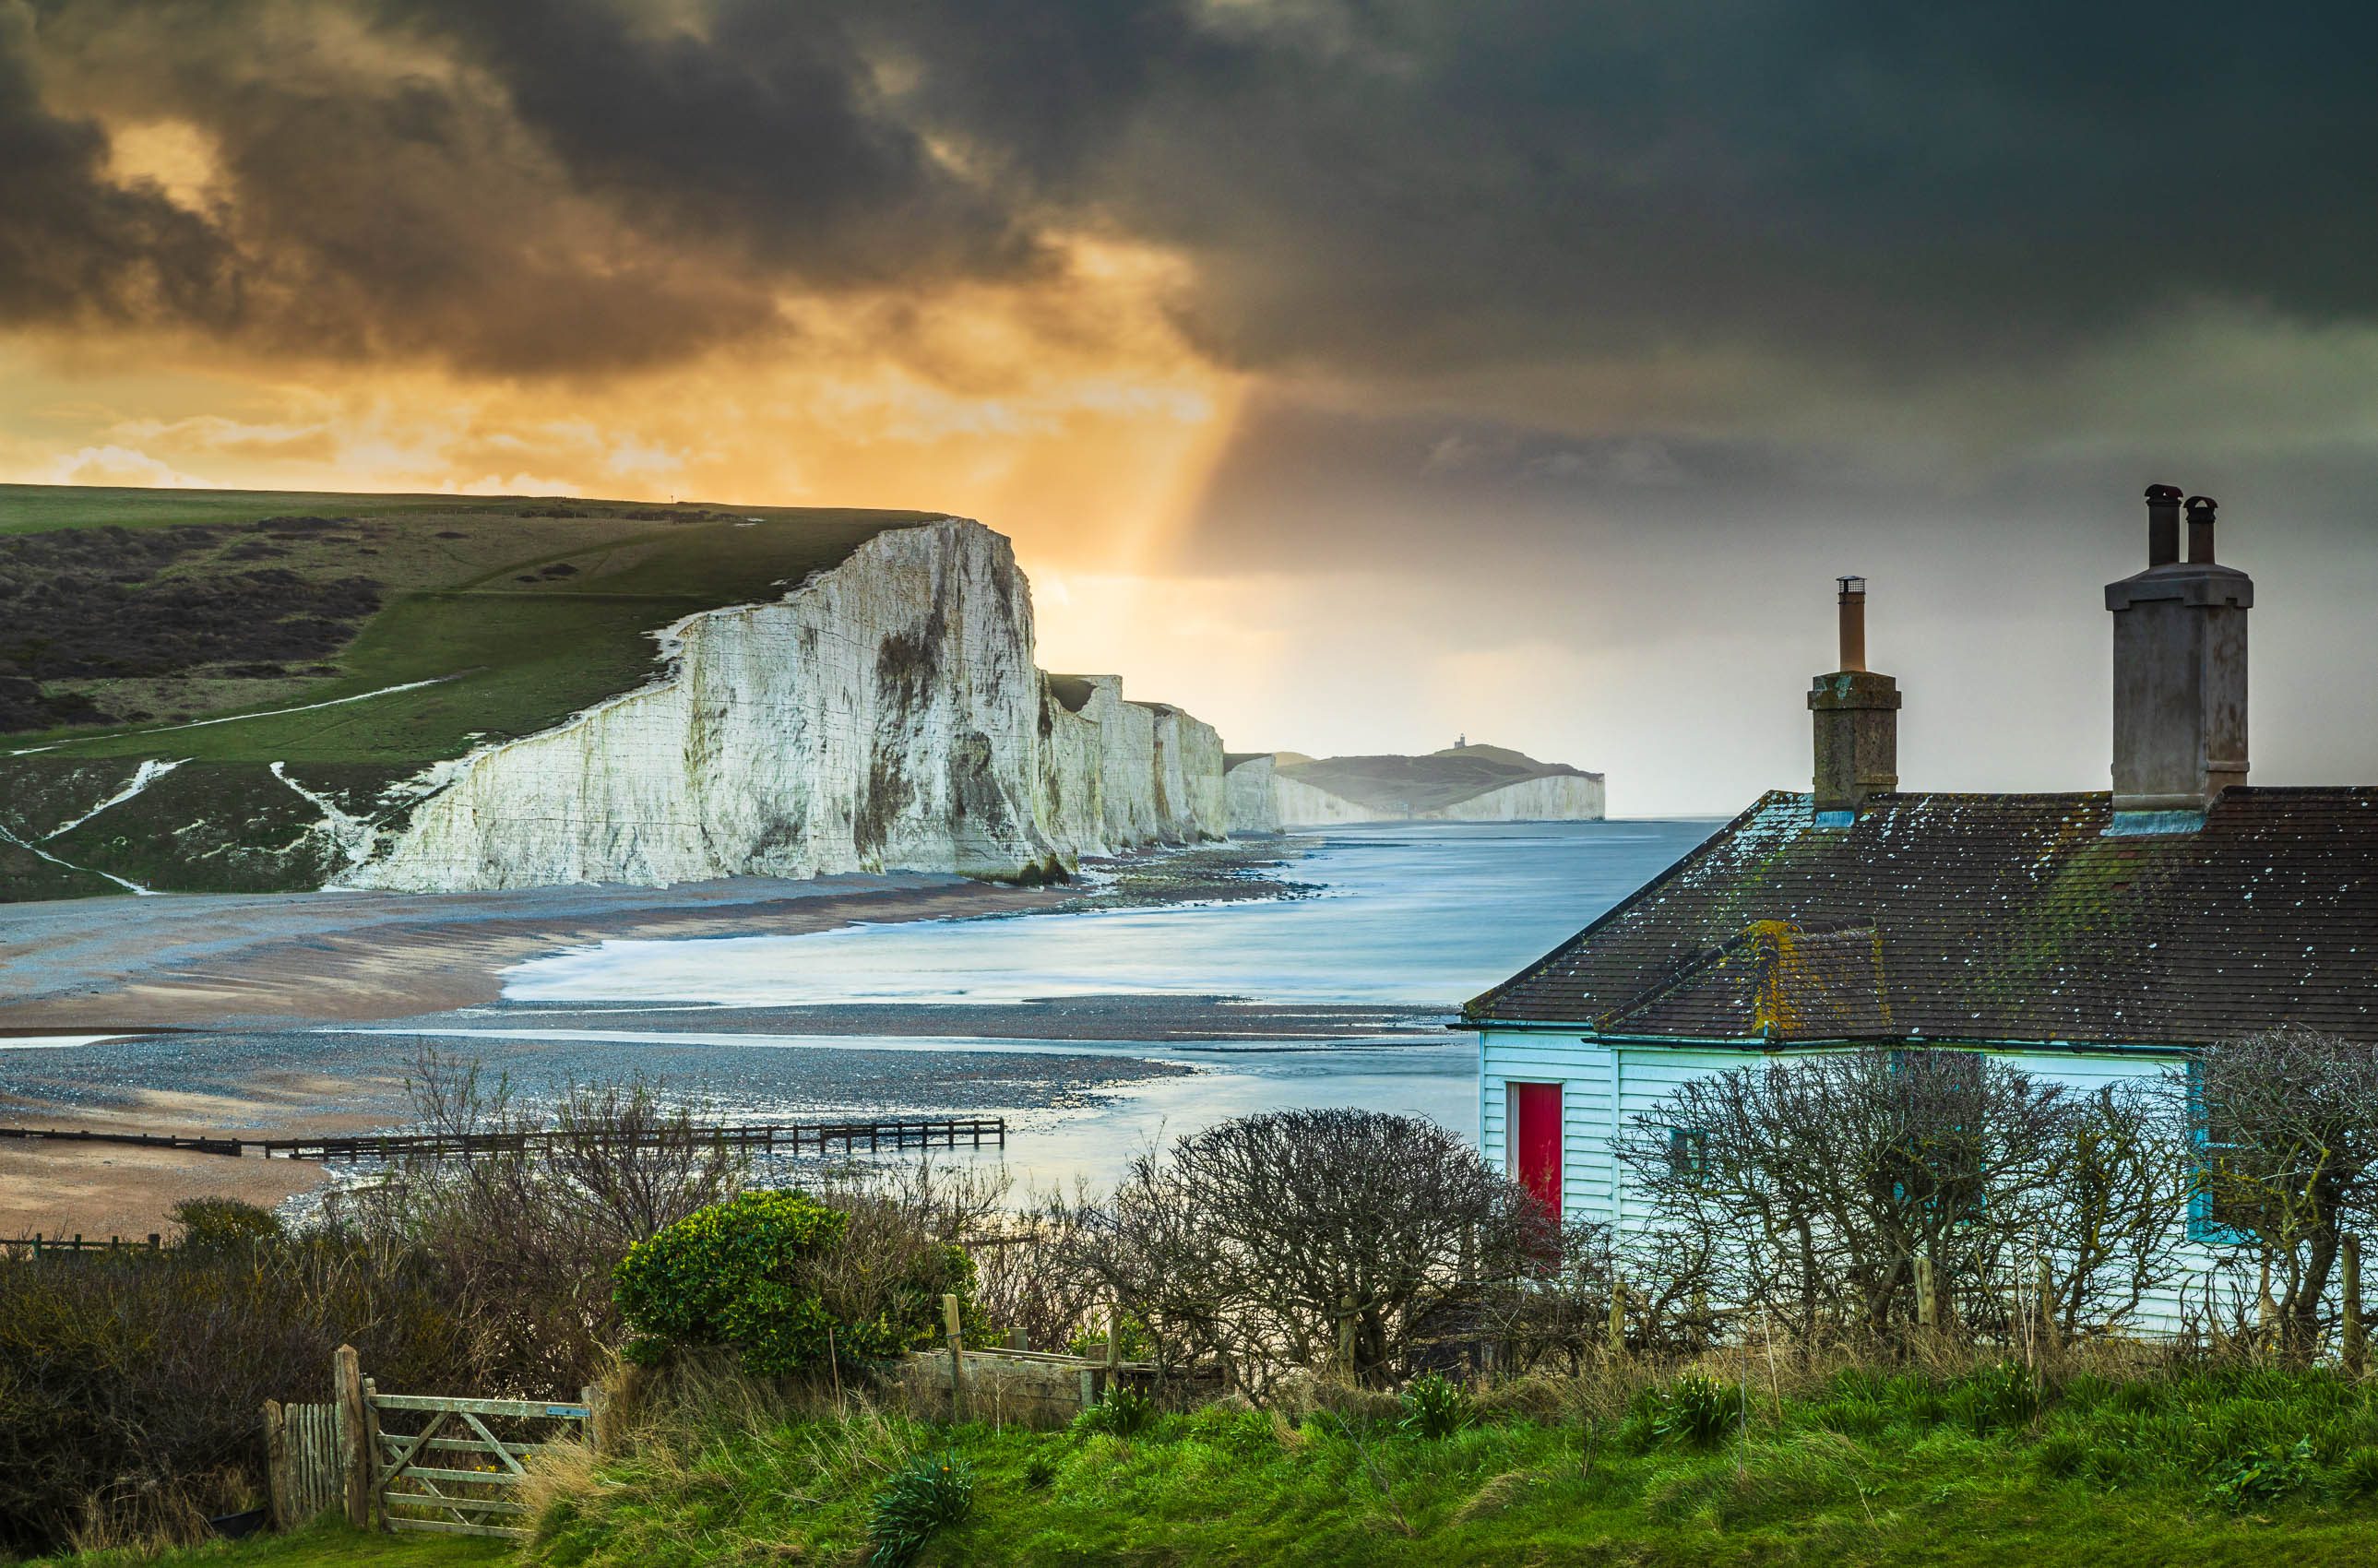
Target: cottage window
<point>1941,1106</point>
<point>2214,1215</point>
<point>1688,1153</point>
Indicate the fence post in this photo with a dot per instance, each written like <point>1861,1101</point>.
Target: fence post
<point>599,1412</point>
<point>276,1462</point>
<point>355,1434</point>
<point>372,1452</point>
<point>1617,1327</point>
<point>958,1359</point>
<point>2355,1335</point>
<point>1925,1312</point>
<point>2048,1328</point>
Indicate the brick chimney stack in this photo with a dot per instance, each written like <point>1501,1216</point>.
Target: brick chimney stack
<point>1856,721</point>
<point>2180,674</point>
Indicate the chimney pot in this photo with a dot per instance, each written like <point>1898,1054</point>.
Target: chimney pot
<point>1852,622</point>
<point>2200,529</point>
<point>2163,524</point>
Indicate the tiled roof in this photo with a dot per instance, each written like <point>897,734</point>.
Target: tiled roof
<point>1988,918</point>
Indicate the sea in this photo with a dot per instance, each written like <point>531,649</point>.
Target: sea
<point>1407,917</point>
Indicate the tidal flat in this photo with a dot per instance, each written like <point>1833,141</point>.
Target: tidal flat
<point>1157,995</point>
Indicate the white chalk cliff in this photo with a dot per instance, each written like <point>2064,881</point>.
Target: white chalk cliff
<point>1262,796</point>
<point>885,715</point>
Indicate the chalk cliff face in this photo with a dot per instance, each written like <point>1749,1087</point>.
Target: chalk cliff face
<point>1552,798</point>
<point>885,715</point>
<point>1116,774</point>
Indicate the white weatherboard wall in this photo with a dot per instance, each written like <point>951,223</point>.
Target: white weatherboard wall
<point>1605,1084</point>
<point>886,715</point>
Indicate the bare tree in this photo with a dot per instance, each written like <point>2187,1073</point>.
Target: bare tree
<point>1559,1311</point>
<point>2113,1214</point>
<point>908,1229</point>
<point>1859,1192</point>
<point>2287,1123</point>
<point>529,1234</point>
<point>1025,1274</point>
<point>1297,1239</point>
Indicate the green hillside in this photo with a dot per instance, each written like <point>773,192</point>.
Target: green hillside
<point>1420,784</point>
<point>234,629</point>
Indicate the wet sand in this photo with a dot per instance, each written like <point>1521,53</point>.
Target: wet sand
<point>267,961</point>
<point>97,1190</point>
<point>272,1014</point>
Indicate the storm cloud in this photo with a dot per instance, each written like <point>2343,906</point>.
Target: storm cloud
<point>1363,190</point>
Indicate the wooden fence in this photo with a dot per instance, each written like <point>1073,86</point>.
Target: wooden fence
<point>817,1137</point>
<point>1012,1385</point>
<point>301,1447</point>
<point>198,1141</point>
<point>35,1246</point>
<point>848,1137</point>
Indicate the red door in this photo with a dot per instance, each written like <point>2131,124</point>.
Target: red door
<point>1536,1134</point>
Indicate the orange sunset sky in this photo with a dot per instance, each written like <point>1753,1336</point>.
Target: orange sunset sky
<point>1353,375</point>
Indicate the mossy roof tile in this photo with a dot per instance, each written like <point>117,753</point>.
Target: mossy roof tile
<point>2009,917</point>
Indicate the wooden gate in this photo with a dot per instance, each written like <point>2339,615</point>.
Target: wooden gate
<point>441,1465</point>
<point>432,1462</point>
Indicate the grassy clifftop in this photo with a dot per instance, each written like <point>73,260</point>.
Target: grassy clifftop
<point>350,638</point>
<point>148,610</point>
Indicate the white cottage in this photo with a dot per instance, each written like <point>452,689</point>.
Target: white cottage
<point>2092,936</point>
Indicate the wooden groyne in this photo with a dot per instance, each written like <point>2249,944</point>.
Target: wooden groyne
<point>792,1138</point>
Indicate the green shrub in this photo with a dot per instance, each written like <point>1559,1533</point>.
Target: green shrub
<point>733,1274</point>
<point>1857,1415</point>
<point>2061,1455</point>
<point>1124,1412</point>
<point>1434,1408</point>
<point>2141,1396</point>
<point>761,1275</point>
<point>1996,1398</point>
<point>1234,1429</point>
<point>1914,1401</point>
<point>931,1492</point>
<point>2263,1478</point>
<point>2085,1392</point>
<point>2357,1475</point>
<point>224,1225</point>
<point>1695,1410</point>
<point>1041,1470</point>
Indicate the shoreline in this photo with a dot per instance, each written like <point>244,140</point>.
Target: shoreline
<point>188,974</point>
<point>225,962</point>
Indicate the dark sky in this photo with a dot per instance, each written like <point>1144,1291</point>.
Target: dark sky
<point>1605,332</point>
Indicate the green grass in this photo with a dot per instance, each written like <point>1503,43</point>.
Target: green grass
<point>2236,1467</point>
<point>2103,1478</point>
<point>32,508</point>
<point>508,657</point>
<point>324,1546</point>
